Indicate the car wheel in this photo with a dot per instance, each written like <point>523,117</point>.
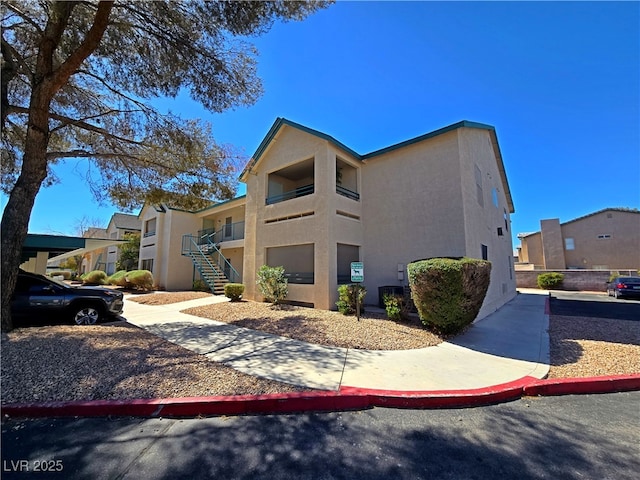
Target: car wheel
<point>616,294</point>
<point>86,315</point>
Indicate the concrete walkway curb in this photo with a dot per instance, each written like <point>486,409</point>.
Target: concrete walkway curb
<point>501,358</point>
<point>348,398</point>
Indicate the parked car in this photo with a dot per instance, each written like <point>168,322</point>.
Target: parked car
<point>624,287</point>
<point>41,300</point>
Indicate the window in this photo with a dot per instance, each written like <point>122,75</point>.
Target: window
<point>494,196</point>
<point>479,192</point>
<point>150,228</point>
<point>297,260</point>
<point>228,228</point>
<point>500,234</point>
<point>485,252</point>
<point>506,220</point>
<point>147,264</point>
<point>569,244</point>
<point>604,236</point>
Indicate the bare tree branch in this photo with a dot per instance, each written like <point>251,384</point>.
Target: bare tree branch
<point>82,125</point>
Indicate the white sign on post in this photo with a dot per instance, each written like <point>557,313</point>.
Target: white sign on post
<point>357,272</point>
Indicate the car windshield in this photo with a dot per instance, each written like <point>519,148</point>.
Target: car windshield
<point>629,279</point>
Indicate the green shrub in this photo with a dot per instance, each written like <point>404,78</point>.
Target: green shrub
<point>95,277</point>
<point>139,279</point>
<point>448,293</point>
<point>396,307</point>
<point>550,281</point>
<point>118,278</point>
<point>234,291</point>
<point>273,284</point>
<point>347,298</point>
<point>200,285</point>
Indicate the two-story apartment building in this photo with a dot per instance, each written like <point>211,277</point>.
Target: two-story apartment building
<point>120,225</point>
<point>106,257</point>
<point>608,239</point>
<point>314,205</point>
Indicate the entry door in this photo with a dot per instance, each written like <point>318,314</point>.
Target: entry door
<point>228,229</point>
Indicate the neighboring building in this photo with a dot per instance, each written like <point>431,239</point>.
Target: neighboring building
<point>120,225</point>
<point>94,259</point>
<point>313,205</point>
<point>608,239</point>
<point>105,258</point>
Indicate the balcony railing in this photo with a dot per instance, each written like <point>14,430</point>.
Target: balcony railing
<point>347,193</point>
<point>305,278</point>
<point>233,231</point>
<point>298,192</point>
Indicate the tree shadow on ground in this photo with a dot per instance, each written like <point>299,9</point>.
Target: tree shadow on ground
<point>515,440</point>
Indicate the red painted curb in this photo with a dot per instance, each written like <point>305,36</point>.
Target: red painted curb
<point>571,386</point>
<point>443,398</point>
<point>348,398</point>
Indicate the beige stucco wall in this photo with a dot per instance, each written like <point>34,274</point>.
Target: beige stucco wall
<point>552,244</point>
<point>531,250</point>
<point>412,209</point>
<point>621,251</point>
<point>171,270</point>
<point>481,222</point>
<point>324,228</point>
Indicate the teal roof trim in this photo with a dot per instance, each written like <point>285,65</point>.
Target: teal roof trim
<point>219,204</point>
<point>53,242</point>
<point>275,128</point>
<point>280,122</point>
<point>435,133</point>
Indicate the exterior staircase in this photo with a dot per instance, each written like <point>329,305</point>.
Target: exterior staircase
<point>211,273</point>
<point>215,270</point>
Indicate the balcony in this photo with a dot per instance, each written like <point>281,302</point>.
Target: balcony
<point>229,232</point>
<point>291,182</point>
<point>345,192</point>
<point>295,193</point>
<point>347,180</point>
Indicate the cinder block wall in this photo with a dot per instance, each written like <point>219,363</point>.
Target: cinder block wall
<point>586,280</point>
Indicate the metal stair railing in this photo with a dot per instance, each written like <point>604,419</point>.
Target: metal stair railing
<point>203,247</point>
<point>201,261</point>
<point>220,260</point>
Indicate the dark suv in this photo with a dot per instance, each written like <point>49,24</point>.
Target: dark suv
<point>38,299</point>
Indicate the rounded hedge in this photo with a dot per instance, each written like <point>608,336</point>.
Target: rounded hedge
<point>550,280</point>
<point>95,277</point>
<point>449,292</point>
<point>139,279</point>
<point>233,291</point>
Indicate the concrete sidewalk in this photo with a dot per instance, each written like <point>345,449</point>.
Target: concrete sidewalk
<point>501,358</point>
<point>506,346</point>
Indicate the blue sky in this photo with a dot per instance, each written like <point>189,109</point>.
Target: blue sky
<point>560,82</point>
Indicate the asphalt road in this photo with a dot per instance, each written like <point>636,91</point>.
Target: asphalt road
<point>597,305</point>
<point>571,437</point>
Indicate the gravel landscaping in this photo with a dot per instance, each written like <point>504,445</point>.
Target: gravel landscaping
<point>323,327</point>
<point>121,361</point>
